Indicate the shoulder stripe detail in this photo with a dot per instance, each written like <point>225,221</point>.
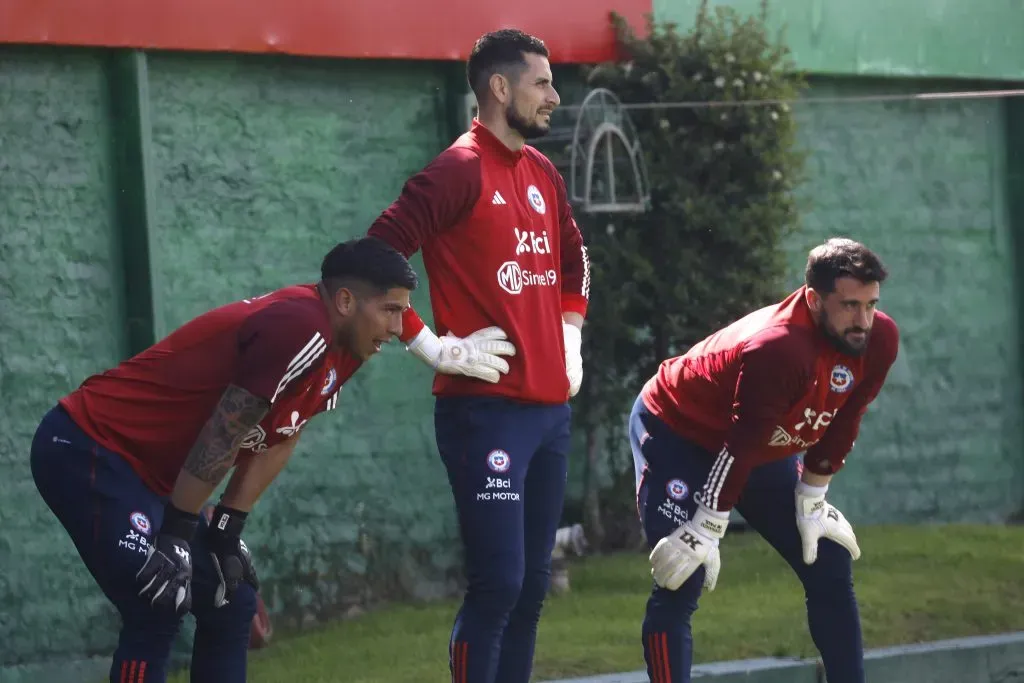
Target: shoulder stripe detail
<point>586,272</point>
<point>314,341</point>
<point>313,349</point>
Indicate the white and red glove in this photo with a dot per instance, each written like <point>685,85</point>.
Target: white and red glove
<point>573,356</point>
<point>816,519</point>
<point>476,355</point>
<point>677,556</point>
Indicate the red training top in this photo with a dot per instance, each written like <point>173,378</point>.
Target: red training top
<point>767,386</point>
<point>150,408</point>
<point>500,247</point>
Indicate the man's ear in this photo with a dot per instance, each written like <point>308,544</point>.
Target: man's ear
<point>345,301</point>
<point>813,300</point>
<point>500,87</point>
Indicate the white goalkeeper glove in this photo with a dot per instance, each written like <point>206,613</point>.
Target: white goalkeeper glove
<point>573,356</point>
<point>477,355</point>
<point>816,519</point>
<point>677,556</point>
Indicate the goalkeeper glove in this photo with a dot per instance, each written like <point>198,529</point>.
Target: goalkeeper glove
<point>573,357</point>
<point>230,555</point>
<point>677,556</point>
<point>816,519</point>
<point>477,355</point>
<point>165,579</point>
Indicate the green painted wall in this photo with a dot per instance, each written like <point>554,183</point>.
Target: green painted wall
<point>60,319</point>
<point>925,184</point>
<point>957,38</point>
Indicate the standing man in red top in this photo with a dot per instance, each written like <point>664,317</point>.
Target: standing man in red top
<point>721,426</point>
<point>127,460</point>
<point>509,277</point>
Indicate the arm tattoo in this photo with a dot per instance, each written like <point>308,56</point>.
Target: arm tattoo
<point>214,451</point>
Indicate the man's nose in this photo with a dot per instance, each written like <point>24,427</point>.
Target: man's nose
<point>863,319</point>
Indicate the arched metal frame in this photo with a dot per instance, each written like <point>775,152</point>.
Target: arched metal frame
<point>585,142</point>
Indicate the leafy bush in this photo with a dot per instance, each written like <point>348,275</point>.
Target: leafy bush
<point>722,176</point>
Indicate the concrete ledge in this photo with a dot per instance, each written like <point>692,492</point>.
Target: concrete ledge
<point>979,659</point>
<point>765,670</point>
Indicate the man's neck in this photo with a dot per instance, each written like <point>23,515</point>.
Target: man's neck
<point>325,299</point>
<point>495,122</point>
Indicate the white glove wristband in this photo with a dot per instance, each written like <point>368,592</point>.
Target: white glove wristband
<point>810,500</point>
<point>710,523</point>
<point>805,489</point>
<point>426,346</point>
<point>573,337</point>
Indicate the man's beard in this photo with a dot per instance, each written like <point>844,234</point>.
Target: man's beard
<point>839,340</point>
<point>529,130</point>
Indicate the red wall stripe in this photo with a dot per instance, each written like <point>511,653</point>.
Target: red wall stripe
<point>575,30</point>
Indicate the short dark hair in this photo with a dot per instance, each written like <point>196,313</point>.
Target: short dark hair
<point>840,257</point>
<point>500,52</point>
<point>366,263</point>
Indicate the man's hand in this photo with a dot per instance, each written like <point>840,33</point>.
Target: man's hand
<point>477,355</point>
<point>165,579</point>
<point>816,519</point>
<point>677,556</point>
<point>230,555</point>
<point>573,357</point>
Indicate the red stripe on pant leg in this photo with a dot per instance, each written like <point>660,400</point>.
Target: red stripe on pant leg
<point>142,672</point>
<point>465,660</point>
<point>664,652</point>
<point>652,646</point>
<point>456,662</point>
<point>124,672</point>
<point>650,650</point>
<point>131,671</point>
<point>662,657</point>
<point>659,657</point>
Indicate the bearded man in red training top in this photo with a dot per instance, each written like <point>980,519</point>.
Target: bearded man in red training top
<point>721,426</point>
<point>127,460</point>
<point>509,277</point>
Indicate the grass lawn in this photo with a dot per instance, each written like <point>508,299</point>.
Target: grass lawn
<point>914,584</point>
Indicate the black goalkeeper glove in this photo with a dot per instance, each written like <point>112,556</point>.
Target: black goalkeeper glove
<point>165,579</point>
<point>231,558</point>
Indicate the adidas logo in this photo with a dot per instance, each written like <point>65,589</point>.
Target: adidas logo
<point>780,438</point>
<point>498,199</point>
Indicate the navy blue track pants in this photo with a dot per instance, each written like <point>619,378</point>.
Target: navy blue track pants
<point>507,465</point>
<point>669,469</point>
<point>110,516</point>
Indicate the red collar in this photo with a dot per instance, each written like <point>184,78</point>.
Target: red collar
<point>490,141</point>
